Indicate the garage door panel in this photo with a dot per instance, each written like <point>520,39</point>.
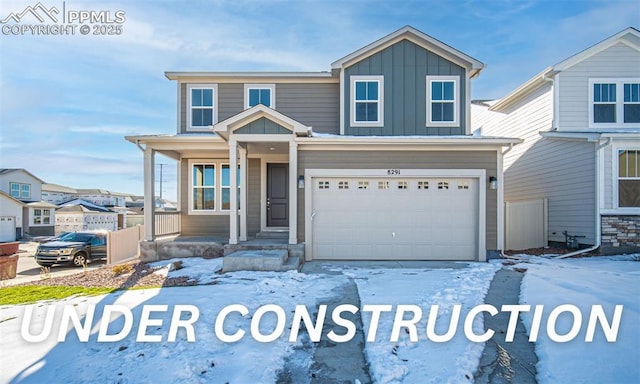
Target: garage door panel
<point>405,218</point>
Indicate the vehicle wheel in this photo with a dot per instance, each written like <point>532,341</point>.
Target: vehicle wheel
<point>80,259</point>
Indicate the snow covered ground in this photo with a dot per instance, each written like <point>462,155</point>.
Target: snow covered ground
<point>605,281</point>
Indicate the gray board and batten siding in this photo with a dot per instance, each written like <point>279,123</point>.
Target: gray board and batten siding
<point>403,160</point>
<point>313,104</point>
<point>405,67</point>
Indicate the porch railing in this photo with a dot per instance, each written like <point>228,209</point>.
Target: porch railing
<point>167,223</point>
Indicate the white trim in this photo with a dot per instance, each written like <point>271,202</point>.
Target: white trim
<point>599,47</point>
<point>218,163</point>
<point>179,116</point>
<point>619,103</point>
<point>20,185</point>
<point>233,182</point>
<point>264,159</point>
<point>227,126</point>
<point>352,100</point>
<point>270,87</point>
<point>467,105</point>
<point>149,194</point>
<point>212,86</point>
<point>419,38</point>
<point>479,174</point>
<point>500,202</point>
<point>615,147</point>
<point>342,98</point>
<point>293,193</point>
<point>456,101</point>
<point>244,172</point>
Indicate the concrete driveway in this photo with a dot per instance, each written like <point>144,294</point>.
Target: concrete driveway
<point>28,270</point>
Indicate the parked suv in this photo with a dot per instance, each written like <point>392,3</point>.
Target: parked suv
<point>78,248</point>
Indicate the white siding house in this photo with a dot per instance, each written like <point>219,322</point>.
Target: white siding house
<point>580,122</point>
<point>38,216</point>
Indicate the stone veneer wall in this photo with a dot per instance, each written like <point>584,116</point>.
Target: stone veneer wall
<point>620,233</point>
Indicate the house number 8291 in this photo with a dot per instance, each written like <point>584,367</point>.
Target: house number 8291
<point>393,171</point>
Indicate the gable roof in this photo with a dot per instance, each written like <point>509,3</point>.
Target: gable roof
<point>629,36</point>
<point>88,206</point>
<point>421,39</point>
<point>225,127</point>
<point>8,196</point>
<point>49,187</point>
<point>4,171</point>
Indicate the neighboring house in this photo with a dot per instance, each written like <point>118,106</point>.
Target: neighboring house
<point>102,197</point>
<point>82,215</point>
<point>38,217</point>
<point>372,160</point>
<point>578,169</point>
<point>57,194</point>
<point>11,211</point>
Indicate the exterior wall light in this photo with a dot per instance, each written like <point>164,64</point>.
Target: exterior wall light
<point>493,182</point>
<point>301,182</point>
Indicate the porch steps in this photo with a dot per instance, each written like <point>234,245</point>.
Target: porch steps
<point>262,256</point>
<point>273,235</point>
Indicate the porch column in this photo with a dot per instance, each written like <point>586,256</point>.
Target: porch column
<point>293,192</point>
<point>149,194</point>
<point>244,170</point>
<point>233,181</point>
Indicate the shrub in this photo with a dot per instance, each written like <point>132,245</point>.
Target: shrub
<point>121,269</point>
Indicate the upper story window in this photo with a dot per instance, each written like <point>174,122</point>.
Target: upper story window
<point>442,101</point>
<point>202,102</point>
<point>367,101</point>
<point>264,94</point>
<point>20,190</point>
<point>614,103</point>
<point>629,178</point>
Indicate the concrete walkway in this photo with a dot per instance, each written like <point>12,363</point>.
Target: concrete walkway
<point>503,362</point>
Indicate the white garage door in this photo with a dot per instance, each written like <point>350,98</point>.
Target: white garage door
<point>7,228</point>
<point>395,218</point>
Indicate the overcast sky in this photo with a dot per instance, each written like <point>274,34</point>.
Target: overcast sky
<point>68,101</point>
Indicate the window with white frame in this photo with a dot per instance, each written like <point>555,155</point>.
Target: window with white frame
<point>442,101</point>
<point>225,187</point>
<point>211,187</point>
<point>629,178</point>
<point>202,106</point>
<point>367,101</point>
<point>41,216</point>
<point>264,94</point>
<point>614,102</point>
<point>20,190</point>
<point>203,185</point>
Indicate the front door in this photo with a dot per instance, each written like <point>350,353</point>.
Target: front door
<point>277,195</point>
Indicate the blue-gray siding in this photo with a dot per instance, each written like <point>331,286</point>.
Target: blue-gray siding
<point>263,126</point>
<point>405,66</point>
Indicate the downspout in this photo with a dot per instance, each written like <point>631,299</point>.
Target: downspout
<point>140,146</point>
<point>504,231</point>
<point>598,221</point>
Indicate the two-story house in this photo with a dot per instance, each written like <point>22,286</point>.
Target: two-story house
<point>374,159</point>
<point>578,169</point>
<point>22,211</point>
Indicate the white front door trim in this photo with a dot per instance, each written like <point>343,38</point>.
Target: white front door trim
<point>479,174</point>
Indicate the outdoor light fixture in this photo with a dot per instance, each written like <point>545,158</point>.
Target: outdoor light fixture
<point>301,182</point>
<point>493,182</point>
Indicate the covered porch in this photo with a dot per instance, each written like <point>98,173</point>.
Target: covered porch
<point>260,143</point>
